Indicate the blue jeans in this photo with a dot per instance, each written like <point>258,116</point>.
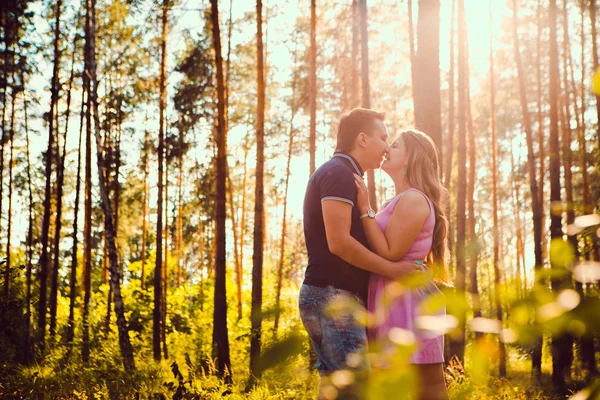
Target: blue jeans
<point>328,315</point>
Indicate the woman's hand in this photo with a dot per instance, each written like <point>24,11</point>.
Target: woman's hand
<point>362,194</point>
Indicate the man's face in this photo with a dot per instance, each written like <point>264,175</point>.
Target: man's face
<point>376,145</point>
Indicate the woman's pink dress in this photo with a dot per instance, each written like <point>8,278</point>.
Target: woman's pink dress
<point>404,309</point>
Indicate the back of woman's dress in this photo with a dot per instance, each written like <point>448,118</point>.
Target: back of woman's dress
<point>402,311</point>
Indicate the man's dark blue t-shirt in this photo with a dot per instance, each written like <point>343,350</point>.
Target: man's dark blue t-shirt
<point>334,180</point>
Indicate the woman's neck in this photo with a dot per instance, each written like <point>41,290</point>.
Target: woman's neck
<point>400,183</point>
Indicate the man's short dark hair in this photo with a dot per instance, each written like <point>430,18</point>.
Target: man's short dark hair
<point>351,124</point>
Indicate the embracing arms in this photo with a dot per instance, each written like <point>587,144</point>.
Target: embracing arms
<point>408,217</point>
<point>337,216</point>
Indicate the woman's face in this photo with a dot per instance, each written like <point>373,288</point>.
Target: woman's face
<point>397,156</point>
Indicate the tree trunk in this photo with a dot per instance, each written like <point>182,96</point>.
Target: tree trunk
<point>179,222</point>
<point>561,343</point>
<point>157,320</point>
<point>10,196</point>
<point>411,44</point>
<point>495,233</point>
<point>60,175</point>
<point>354,99</point>
<point>427,92</point>
<point>165,266</point>
<point>516,197</point>
<point>220,334</point>
<point>73,281</point>
<point>537,228</point>
<point>28,271</point>
<point>145,210</point>
<point>236,254</point>
<point>458,344</point>
<point>243,217</point>
<point>366,89</point>
<point>44,259</point>
<point>312,82</point>
<point>451,123</point>
<point>540,132</point>
<point>3,137</point>
<point>284,221</point>
<point>87,225</point>
<point>473,253</point>
<point>115,274</point>
<point>587,341</point>
<point>257,255</point>
<point>595,60</point>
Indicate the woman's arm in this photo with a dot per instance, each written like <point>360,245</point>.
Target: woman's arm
<point>408,217</point>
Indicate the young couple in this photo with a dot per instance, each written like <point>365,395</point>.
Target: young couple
<point>354,254</point>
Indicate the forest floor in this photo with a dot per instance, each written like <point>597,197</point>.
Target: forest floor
<point>293,380</point>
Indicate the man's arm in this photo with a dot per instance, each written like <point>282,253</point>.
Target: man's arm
<point>337,216</point>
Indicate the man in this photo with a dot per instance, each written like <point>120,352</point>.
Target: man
<point>339,261</point>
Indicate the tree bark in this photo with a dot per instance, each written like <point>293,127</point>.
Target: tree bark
<point>354,99</point>
<point>146,155</point>
<point>516,198</point>
<point>257,255</point>
<point>366,89</point>
<point>427,92</point>
<point>157,320</point>
<point>10,196</point>
<point>236,254</point>
<point>115,273</point>
<point>411,44</point>
<point>561,343</point>
<point>595,60</point>
<point>60,178</point>
<point>540,132</point>
<point>220,333</point>
<point>165,266</point>
<point>284,221</point>
<point>451,123</point>
<point>87,225</point>
<point>44,259</point>
<point>537,228</point>
<point>312,83</point>
<point>75,238</point>
<point>458,344</point>
<point>495,233</point>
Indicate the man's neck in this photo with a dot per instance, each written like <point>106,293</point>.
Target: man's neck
<point>360,160</point>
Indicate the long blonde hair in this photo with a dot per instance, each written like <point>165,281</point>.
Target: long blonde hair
<point>423,173</point>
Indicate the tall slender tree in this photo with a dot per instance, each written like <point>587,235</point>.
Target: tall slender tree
<point>596,65</point>
<point>115,272</point>
<point>540,127</point>
<point>87,224</point>
<point>75,236</point>
<point>427,90</point>
<point>285,204</point>
<point>60,178</point>
<point>561,343</point>
<point>312,79</point>
<point>354,99</point>
<point>220,334</point>
<point>366,88</point>
<point>536,357</point>
<point>145,156</point>
<point>458,344</point>
<point>495,231</point>
<point>158,267</point>
<point>44,259</point>
<point>257,255</point>
<point>451,94</point>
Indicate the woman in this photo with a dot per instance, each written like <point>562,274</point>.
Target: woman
<point>411,225</point>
